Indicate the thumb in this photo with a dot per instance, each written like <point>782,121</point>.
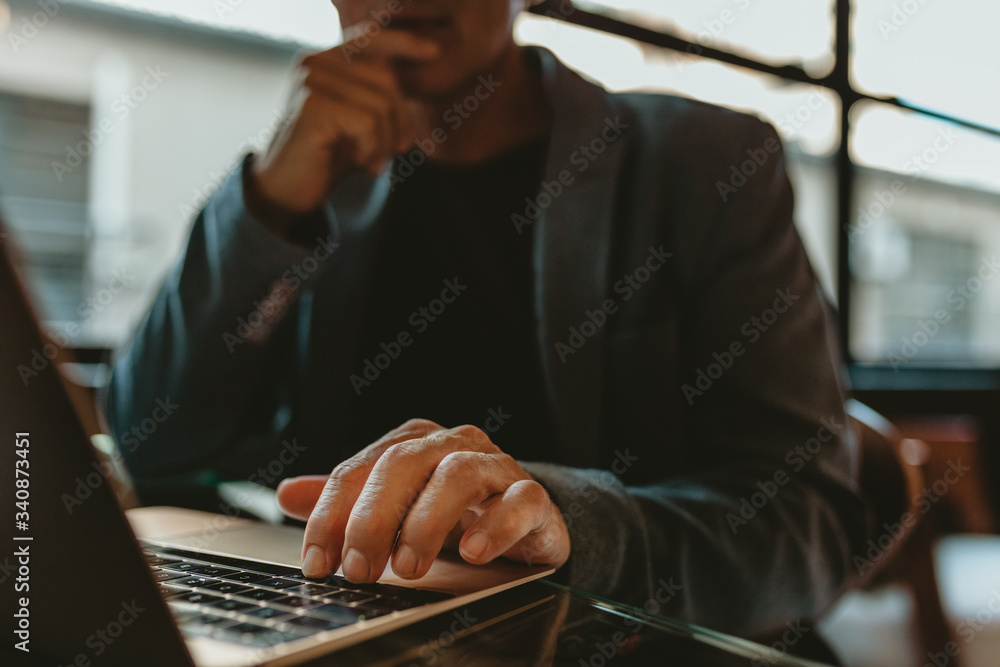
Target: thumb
<point>298,495</point>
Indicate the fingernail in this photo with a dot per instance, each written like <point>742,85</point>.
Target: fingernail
<point>356,566</point>
<point>405,562</point>
<point>475,545</point>
<point>314,564</point>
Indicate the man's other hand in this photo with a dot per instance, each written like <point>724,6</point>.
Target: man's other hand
<point>405,495</point>
<point>351,114</point>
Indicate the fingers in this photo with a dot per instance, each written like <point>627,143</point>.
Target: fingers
<point>372,118</point>
<point>297,496</point>
<point>324,536</point>
<point>395,482</point>
<point>462,480</point>
<point>523,525</point>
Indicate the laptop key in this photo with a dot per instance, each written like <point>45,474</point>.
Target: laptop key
<point>194,582</point>
<point>211,620</point>
<point>229,587</point>
<point>182,566</point>
<point>159,560</point>
<point>171,591</point>
<point>366,612</point>
<point>262,594</point>
<point>198,598</point>
<point>268,613</point>
<point>213,570</point>
<point>315,590</point>
<point>349,597</point>
<point>255,635</point>
<point>297,602</point>
<point>316,624</point>
<point>245,577</point>
<point>233,605</point>
<point>345,615</point>
<point>167,575</point>
<point>277,584</point>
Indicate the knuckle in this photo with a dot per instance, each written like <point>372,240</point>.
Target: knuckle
<point>348,472</point>
<point>417,424</point>
<point>533,492</point>
<point>473,435</point>
<point>506,462</point>
<point>459,464</point>
<point>401,451</point>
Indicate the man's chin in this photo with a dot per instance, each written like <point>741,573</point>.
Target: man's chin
<point>422,81</point>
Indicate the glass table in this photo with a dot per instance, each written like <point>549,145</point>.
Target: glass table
<point>545,623</point>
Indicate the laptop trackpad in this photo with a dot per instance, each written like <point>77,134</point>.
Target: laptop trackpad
<point>283,545</point>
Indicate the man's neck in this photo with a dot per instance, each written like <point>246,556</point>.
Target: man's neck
<point>492,113</point>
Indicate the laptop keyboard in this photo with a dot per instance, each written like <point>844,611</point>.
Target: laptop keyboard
<point>260,604</point>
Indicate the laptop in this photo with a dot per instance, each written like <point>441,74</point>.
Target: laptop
<point>83,582</point>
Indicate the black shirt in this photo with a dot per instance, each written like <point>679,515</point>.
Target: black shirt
<point>449,331</point>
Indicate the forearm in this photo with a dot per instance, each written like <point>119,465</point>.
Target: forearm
<point>693,549</point>
<point>178,392</point>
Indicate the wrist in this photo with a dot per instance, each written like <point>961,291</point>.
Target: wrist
<point>274,216</point>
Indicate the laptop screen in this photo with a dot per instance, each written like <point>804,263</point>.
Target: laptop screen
<point>73,584</point>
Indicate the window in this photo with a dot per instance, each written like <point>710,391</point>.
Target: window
<point>47,211</point>
<point>893,157</point>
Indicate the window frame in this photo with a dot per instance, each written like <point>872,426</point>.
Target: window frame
<point>949,389</point>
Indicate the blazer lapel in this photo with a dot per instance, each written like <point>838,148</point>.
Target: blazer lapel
<point>572,253</point>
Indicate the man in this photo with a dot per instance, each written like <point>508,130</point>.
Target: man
<point>457,228</point>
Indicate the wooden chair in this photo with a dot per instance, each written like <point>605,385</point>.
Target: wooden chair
<point>892,479</point>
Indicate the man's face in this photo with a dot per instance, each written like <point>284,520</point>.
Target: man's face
<point>472,35</point>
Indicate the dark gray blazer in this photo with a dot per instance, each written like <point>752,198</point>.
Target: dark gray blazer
<point>701,432</point>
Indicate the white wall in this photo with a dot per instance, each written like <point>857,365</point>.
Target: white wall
<point>163,147</point>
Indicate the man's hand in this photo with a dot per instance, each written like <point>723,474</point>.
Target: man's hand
<point>423,483</point>
<point>351,114</point>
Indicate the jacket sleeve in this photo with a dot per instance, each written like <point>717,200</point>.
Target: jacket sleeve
<point>761,527</point>
<point>181,393</point>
